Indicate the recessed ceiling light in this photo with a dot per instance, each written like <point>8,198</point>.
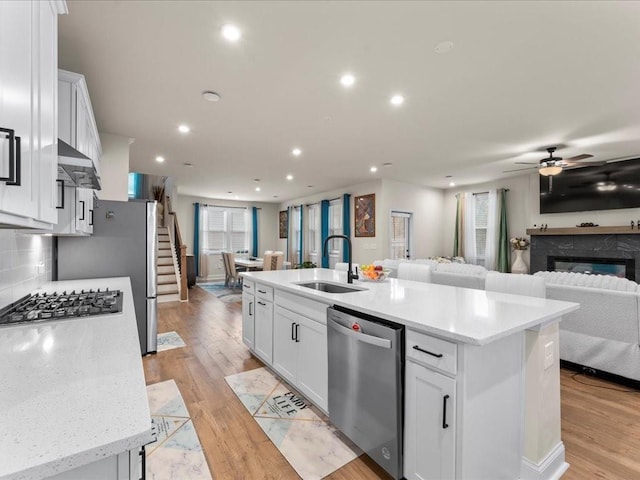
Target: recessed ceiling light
<point>347,80</point>
<point>237,197</point>
<point>211,96</point>
<point>444,47</point>
<point>448,176</point>
<point>159,159</point>
<point>373,169</point>
<point>296,152</point>
<point>387,164</point>
<point>231,32</point>
<point>256,179</point>
<point>452,184</point>
<point>397,100</point>
<point>184,129</point>
<point>289,177</point>
<point>309,186</point>
<point>187,164</point>
<point>257,189</point>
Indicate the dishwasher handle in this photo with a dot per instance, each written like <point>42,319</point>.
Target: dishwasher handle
<point>362,337</point>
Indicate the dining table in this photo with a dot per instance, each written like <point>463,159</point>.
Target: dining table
<point>254,263</point>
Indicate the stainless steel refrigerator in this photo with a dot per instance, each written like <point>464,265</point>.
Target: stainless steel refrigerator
<point>123,244</point>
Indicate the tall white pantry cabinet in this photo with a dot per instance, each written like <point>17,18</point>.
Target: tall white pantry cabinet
<point>28,112</point>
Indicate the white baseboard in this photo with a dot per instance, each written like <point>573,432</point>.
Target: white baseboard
<point>552,467</point>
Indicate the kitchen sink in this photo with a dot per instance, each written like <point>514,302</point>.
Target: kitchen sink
<point>330,287</point>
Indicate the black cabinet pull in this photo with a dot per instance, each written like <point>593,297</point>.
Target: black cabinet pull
<point>91,217</point>
<point>263,304</point>
<point>61,183</point>
<point>17,171</point>
<point>10,134</point>
<point>82,202</point>
<point>143,467</point>
<point>437,355</point>
<point>293,328</point>
<point>444,412</point>
<point>262,291</point>
<point>250,312</point>
<point>297,337</point>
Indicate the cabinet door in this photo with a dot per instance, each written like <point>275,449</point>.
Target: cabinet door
<point>264,330</point>
<point>82,210</point>
<point>17,93</point>
<point>430,424</point>
<point>285,346</point>
<point>313,364</point>
<point>248,326</point>
<point>48,116</point>
<point>88,204</point>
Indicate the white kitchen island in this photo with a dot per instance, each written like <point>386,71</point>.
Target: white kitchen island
<point>73,400</point>
<point>479,369</point>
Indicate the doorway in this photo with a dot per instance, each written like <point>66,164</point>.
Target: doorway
<point>401,230</point>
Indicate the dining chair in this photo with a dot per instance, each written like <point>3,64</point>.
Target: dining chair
<point>225,263</point>
<point>341,266</point>
<point>266,260</point>
<point>233,273</point>
<point>277,260</point>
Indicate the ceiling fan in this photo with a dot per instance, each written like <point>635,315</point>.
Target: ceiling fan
<point>554,165</point>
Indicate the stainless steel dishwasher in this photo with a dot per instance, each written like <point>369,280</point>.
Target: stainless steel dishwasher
<point>366,384</point>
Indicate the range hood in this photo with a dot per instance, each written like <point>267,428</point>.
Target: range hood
<point>75,168</point>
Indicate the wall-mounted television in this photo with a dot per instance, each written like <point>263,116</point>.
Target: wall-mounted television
<point>602,187</point>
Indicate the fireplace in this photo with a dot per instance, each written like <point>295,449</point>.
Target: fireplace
<point>617,267</point>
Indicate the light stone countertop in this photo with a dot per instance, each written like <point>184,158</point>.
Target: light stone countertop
<point>462,315</point>
<point>72,391</point>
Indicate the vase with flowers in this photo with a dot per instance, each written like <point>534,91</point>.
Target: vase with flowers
<point>519,245</point>
<point>157,193</point>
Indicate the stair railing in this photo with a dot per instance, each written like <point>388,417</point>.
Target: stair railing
<point>180,249</point>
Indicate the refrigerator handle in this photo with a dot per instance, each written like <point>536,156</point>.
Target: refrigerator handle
<point>152,249</point>
<point>152,325</point>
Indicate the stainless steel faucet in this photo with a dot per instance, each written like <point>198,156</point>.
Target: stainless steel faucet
<point>350,275</point>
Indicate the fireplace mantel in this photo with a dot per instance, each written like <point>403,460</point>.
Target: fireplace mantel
<point>625,230</point>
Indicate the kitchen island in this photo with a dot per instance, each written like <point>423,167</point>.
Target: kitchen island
<point>466,394</point>
<point>73,401</point>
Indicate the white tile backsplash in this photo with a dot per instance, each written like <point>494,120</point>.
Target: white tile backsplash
<point>20,255</point>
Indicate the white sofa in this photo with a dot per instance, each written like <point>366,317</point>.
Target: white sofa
<point>604,333</point>
<point>454,274</point>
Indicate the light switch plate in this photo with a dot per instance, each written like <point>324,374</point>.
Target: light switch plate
<point>548,355</point>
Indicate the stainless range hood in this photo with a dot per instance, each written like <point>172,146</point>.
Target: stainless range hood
<point>75,168</point>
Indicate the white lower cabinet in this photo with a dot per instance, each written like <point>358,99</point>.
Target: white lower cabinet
<point>124,466</point>
<point>248,324</point>
<point>263,324</point>
<point>300,354</point>
<point>430,424</point>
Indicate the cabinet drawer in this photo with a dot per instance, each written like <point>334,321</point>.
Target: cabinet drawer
<point>432,351</point>
<point>248,286</point>
<point>263,291</point>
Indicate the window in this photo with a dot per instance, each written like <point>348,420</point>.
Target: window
<point>225,229</point>
<point>295,219</point>
<point>400,247</point>
<point>313,233</point>
<point>481,220</point>
<point>134,189</point>
<point>335,228</point>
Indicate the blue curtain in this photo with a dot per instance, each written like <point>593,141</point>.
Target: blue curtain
<point>196,238</point>
<point>346,223</point>
<point>301,236</point>
<point>254,222</point>
<point>288,232</point>
<point>324,229</point>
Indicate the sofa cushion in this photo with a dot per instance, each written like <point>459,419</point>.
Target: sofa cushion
<point>461,268</point>
<point>606,282</point>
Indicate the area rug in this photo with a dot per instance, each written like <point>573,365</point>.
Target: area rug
<point>312,446</point>
<point>176,453</point>
<point>226,294</point>
<point>169,340</point>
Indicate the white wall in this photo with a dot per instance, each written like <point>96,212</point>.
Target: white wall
<point>114,167</point>
<point>25,264</point>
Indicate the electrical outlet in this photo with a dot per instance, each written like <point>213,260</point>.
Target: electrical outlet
<point>548,355</point>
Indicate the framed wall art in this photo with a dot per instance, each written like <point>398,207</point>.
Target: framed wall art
<point>283,223</point>
<point>365,215</point>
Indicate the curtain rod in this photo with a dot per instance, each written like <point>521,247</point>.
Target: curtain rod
<point>224,206</point>
<point>482,193</point>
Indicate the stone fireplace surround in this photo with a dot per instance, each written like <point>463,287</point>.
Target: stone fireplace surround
<point>595,242</point>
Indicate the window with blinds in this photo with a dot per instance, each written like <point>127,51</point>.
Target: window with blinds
<point>226,229</point>
<point>313,231</point>
<point>295,225</point>
<point>335,228</point>
<point>481,217</point>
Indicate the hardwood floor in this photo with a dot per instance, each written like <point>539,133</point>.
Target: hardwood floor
<point>600,426</point>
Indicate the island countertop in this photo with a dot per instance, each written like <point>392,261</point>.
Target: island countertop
<point>462,315</point>
<point>72,391</point>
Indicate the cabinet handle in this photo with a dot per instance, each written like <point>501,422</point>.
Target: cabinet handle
<point>143,467</point>
<point>444,412</point>
<point>293,328</point>
<point>82,202</point>
<point>61,183</point>
<point>250,312</point>
<point>262,291</point>
<point>17,171</point>
<point>91,217</point>
<point>263,304</point>
<point>297,337</point>
<point>437,355</point>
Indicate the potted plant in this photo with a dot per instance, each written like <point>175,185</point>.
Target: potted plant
<point>157,193</point>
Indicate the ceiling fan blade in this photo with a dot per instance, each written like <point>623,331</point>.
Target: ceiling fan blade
<point>519,170</point>
<point>577,158</point>
<point>526,163</point>
<point>571,165</point>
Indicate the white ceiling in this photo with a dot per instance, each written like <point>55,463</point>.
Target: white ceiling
<point>522,76</point>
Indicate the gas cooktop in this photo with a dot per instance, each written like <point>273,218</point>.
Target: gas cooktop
<point>55,306</point>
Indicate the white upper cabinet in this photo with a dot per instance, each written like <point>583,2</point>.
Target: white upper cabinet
<point>28,93</point>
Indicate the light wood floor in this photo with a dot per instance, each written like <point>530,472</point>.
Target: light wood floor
<point>600,426</point>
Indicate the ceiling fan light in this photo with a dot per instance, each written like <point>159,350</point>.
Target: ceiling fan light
<point>550,170</point>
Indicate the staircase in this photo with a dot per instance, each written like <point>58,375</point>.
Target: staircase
<point>167,265</point>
